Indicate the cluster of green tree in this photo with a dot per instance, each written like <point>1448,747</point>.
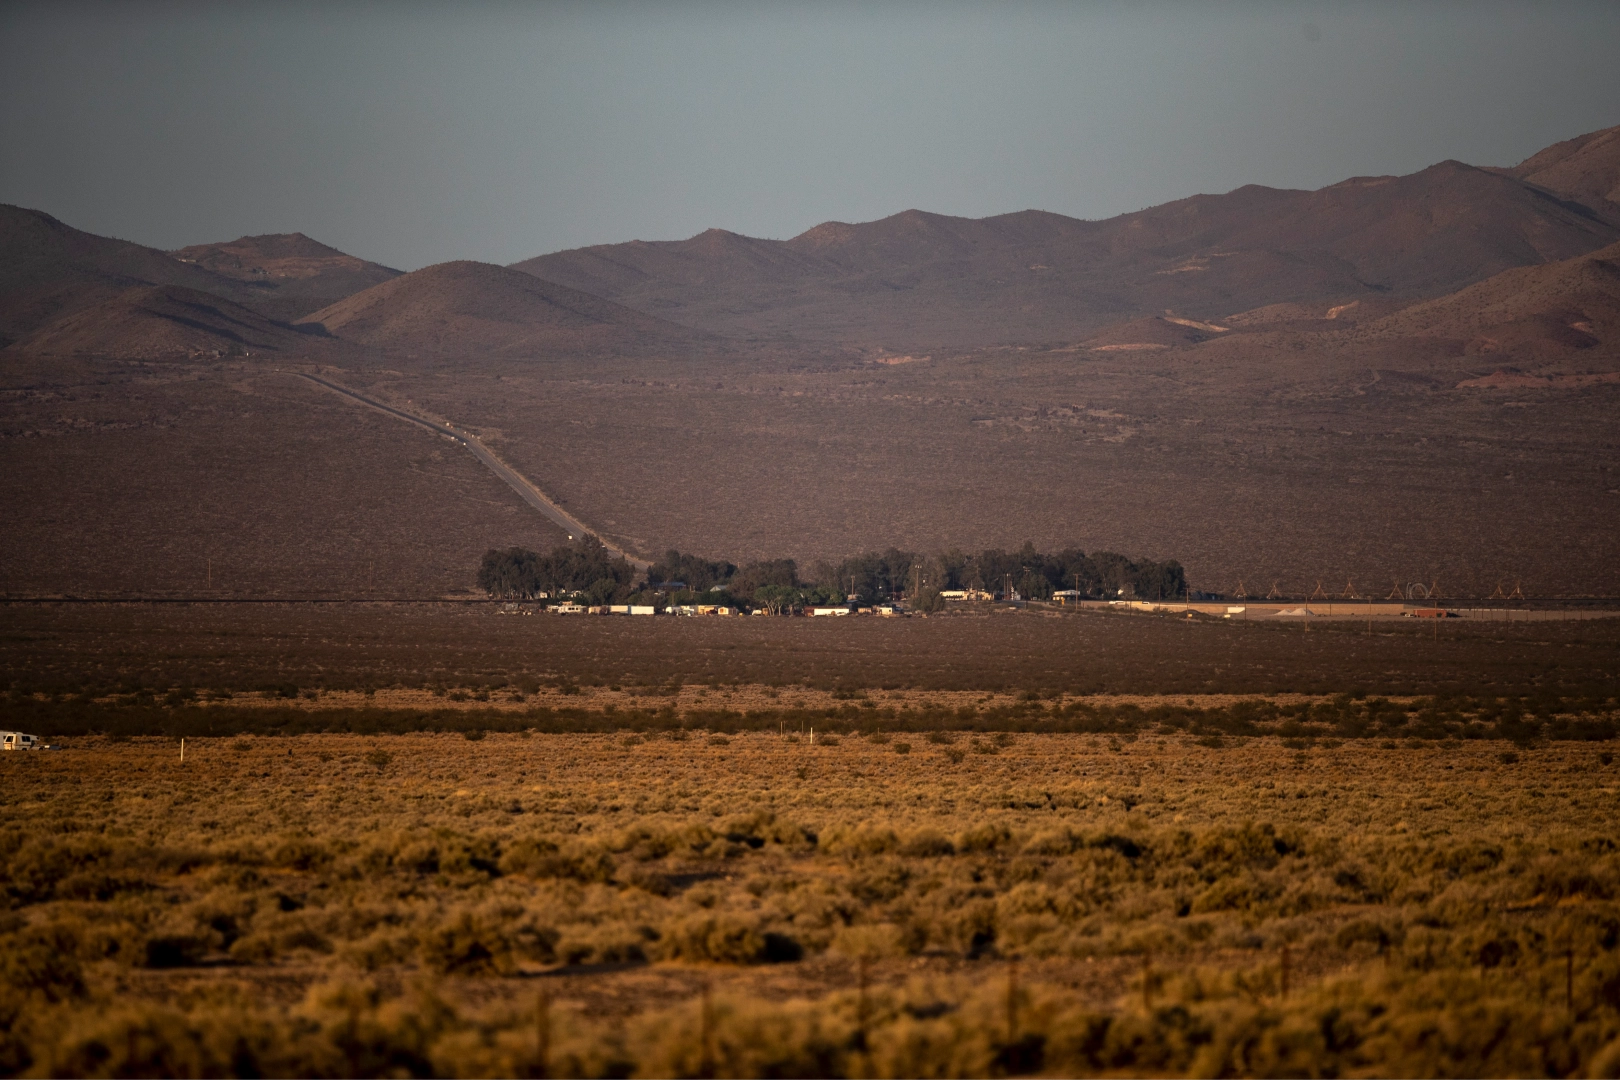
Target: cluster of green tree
<point>777,584</point>
<point>896,574</point>
<point>697,574</point>
<point>583,567</point>
<point>1036,575</point>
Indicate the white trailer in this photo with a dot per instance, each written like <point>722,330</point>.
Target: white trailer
<point>16,740</point>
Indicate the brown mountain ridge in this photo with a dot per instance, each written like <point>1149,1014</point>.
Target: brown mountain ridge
<point>288,274</point>
<point>1585,168</point>
<point>920,280</point>
<point>469,308</point>
<point>150,322</point>
<point>1533,314</point>
<point>49,269</point>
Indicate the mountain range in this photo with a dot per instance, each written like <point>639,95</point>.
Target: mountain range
<point>918,280</point>
<point>1407,377</point>
<point>460,308</point>
<point>1363,247</point>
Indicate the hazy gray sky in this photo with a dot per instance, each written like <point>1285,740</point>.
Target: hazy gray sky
<point>412,134</point>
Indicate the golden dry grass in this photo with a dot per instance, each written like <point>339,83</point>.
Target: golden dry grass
<point>343,905</point>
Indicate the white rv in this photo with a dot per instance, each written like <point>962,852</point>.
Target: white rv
<point>16,740</point>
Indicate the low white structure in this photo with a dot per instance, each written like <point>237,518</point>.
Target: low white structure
<point>829,611</point>
<point>16,740</point>
<point>643,609</point>
<point>964,594</point>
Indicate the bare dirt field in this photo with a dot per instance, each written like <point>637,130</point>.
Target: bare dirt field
<point>1275,460</point>
<point>69,649</point>
<point>231,480</point>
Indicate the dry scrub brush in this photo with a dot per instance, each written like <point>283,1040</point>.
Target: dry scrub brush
<point>321,905</point>
<point>1589,718</point>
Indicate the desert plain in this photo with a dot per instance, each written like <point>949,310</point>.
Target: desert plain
<point>318,803</point>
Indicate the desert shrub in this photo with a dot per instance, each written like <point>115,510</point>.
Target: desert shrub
<point>160,1040</point>
<point>300,852</point>
<point>543,857</point>
<point>606,943</point>
<point>37,866</point>
<point>765,827</point>
<point>467,944</point>
<point>1408,903</point>
<point>1053,842</point>
<point>726,939</point>
<point>986,837</point>
<point>255,948</point>
<point>857,841</point>
<point>927,844</point>
<point>749,1038</point>
<point>42,961</point>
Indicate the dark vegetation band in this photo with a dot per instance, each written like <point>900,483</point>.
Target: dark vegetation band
<point>1519,720</point>
<point>586,570</point>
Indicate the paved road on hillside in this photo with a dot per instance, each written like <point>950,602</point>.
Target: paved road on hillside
<point>514,479</point>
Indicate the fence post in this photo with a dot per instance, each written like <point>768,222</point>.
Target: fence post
<point>706,1061</point>
<point>861,1006</point>
<point>1012,1003</point>
<point>542,1021</point>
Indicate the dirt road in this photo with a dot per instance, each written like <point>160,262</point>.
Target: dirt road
<point>514,479</point>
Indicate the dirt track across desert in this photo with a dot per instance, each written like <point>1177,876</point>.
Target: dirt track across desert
<point>516,480</point>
